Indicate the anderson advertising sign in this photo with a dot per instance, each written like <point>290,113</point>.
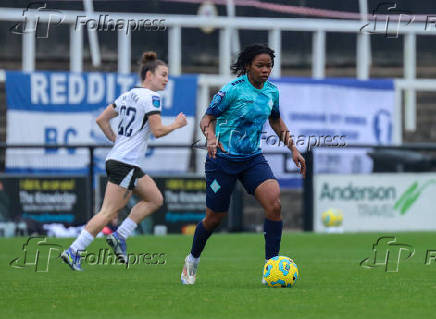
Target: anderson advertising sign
<point>377,202</point>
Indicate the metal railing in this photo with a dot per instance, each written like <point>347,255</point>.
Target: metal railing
<point>226,25</point>
<point>175,23</point>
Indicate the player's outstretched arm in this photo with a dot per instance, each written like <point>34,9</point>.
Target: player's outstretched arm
<point>282,131</point>
<point>103,121</point>
<point>159,130</point>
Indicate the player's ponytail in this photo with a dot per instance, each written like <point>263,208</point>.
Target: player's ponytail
<point>149,62</point>
<point>247,56</point>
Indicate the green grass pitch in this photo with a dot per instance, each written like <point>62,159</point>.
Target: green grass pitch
<point>331,285</point>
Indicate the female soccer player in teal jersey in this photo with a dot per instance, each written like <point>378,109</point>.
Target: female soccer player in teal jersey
<point>233,125</point>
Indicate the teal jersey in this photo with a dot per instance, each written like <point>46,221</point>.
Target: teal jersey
<point>241,111</point>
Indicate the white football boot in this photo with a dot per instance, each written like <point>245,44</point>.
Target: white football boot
<point>263,279</point>
<point>189,272</point>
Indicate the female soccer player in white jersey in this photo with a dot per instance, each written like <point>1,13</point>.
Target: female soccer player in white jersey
<point>233,124</point>
<point>139,115</point>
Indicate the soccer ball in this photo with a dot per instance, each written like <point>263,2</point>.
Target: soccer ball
<point>280,271</point>
<point>332,218</point>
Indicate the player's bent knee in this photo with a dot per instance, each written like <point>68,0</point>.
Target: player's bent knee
<point>276,206</point>
<point>158,201</point>
<point>211,224</point>
<point>274,210</point>
<point>212,221</point>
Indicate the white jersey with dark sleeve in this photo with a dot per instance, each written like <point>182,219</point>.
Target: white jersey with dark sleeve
<point>133,131</point>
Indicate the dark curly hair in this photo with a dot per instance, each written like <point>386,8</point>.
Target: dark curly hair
<point>247,56</point>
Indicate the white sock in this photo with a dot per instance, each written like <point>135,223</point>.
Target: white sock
<point>126,229</point>
<point>192,259</point>
<point>82,242</point>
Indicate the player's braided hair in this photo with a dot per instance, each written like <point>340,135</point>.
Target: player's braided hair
<point>247,56</point>
<point>149,62</point>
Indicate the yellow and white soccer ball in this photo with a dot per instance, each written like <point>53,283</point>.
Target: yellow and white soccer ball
<point>280,271</point>
<point>332,218</point>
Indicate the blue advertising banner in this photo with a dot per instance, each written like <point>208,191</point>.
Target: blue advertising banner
<point>61,108</point>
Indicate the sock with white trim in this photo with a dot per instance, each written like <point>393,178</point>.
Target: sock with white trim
<point>82,242</point>
<point>126,229</point>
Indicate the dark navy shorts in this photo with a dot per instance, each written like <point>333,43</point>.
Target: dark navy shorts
<point>221,176</point>
<point>122,174</point>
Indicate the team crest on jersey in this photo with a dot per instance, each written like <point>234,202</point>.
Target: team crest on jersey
<point>156,101</point>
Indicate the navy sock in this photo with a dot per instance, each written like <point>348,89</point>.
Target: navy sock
<point>200,237</point>
<point>273,235</point>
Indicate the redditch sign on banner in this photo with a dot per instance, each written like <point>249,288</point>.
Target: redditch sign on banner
<point>61,108</point>
<point>377,202</point>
